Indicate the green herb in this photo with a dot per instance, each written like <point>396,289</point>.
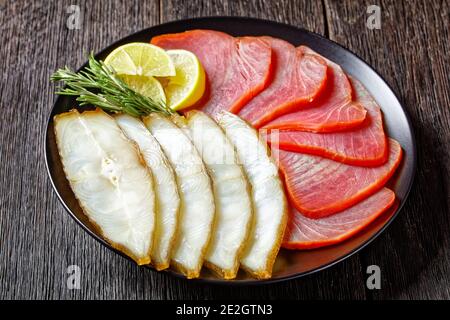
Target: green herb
<point>98,85</point>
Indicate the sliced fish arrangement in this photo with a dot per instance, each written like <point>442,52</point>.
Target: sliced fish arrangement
<point>173,172</point>
<point>234,212</point>
<point>203,204</point>
<point>197,199</point>
<point>165,184</point>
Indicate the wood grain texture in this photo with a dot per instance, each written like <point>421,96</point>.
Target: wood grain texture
<point>38,240</point>
<point>414,253</point>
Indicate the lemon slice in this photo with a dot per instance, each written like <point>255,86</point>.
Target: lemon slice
<point>147,86</point>
<point>141,59</point>
<point>188,85</point>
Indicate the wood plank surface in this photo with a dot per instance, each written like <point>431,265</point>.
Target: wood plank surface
<point>414,253</point>
<point>38,240</point>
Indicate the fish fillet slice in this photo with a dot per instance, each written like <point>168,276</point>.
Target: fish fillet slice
<point>109,179</point>
<point>305,233</point>
<point>237,69</point>
<point>333,111</point>
<point>362,146</point>
<point>167,198</point>
<point>299,78</point>
<point>268,199</point>
<point>197,200</point>
<point>231,194</point>
<point>319,187</point>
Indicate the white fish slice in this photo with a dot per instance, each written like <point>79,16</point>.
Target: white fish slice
<point>269,201</point>
<point>197,201</point>
<point>167,198</point>
<point>231,194</point>
<point>109,179</point>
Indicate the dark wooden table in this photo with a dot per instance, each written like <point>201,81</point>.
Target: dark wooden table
<point>38,240</point>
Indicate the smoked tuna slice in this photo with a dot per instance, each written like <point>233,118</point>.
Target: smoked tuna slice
<point>237,68</point>
<point>298,79</point>
<point>306,233</point>
<point>363,146</point>
<point>333,111</point>
<point>319,187</point>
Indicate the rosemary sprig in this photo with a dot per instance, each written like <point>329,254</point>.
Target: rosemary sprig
<point>98,85</point>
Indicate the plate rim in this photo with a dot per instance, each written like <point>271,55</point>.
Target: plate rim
<point>219,281</point>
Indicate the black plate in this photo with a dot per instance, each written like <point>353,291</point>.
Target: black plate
<point>289,264</point>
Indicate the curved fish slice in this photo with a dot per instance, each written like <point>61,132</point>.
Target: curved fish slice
<point>333,111</point>
<point>231,194</point>
<point>268,199</point>
<point>319,187</point>
<point>305,233</point>
<point>197,200</point>
<point>109,179</point>
<point>299,78</point>
<point>167,198</point>
<point>363,146</point>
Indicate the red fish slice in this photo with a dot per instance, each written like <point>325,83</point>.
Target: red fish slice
<point>332,111</point>
<point>298,79</point>
<point>306,233</point>
<point>363,146</point>
<point>237,68</point>
<point>319,187</point>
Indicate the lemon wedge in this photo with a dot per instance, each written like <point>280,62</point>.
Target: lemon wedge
<point>138,63</point>
<point>141,59</point>
<point>188,85</point>
<point>147,86</point>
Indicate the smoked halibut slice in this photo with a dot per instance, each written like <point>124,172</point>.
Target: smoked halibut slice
<point>306,233</point>
<point>319,187</point>
<point>197,201</point>
<point>109,179</point>
<point>231,193</point>
<point>167,198</point>
<point>236,68</point>
<point>267,194</point>
<point>363,146</point>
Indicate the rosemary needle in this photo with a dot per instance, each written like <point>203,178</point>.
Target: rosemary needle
<point>99,86</point>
